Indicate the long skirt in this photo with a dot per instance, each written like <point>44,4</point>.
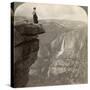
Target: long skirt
<point>35,18</point>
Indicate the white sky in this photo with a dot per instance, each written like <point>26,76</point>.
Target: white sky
<point>49,11</point>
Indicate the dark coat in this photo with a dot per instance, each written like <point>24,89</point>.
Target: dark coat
<point>35,18</point>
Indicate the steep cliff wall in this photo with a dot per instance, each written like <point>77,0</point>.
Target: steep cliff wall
<point>26,46</point>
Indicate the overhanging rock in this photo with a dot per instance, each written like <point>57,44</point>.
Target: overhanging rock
<point>26,46</point>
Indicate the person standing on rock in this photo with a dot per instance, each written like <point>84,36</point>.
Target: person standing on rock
<point>35,17</point>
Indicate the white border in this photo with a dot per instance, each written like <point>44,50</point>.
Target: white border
<point>5,45</point>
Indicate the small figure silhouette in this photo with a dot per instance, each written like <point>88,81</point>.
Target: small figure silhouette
<point>35,17</point>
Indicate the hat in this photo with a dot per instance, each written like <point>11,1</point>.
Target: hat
<point>34,8</point>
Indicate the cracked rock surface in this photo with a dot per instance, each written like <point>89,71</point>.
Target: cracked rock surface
<point>26,46</point>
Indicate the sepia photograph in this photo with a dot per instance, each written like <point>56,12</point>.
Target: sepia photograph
<point>49,44</point>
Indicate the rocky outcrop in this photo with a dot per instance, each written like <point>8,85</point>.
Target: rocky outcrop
<point>26,46</point>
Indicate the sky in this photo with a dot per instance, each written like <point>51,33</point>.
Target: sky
<point>51,11</point>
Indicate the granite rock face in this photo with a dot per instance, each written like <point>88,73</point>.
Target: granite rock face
<point>56,57</point>
<point>26,46</point>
